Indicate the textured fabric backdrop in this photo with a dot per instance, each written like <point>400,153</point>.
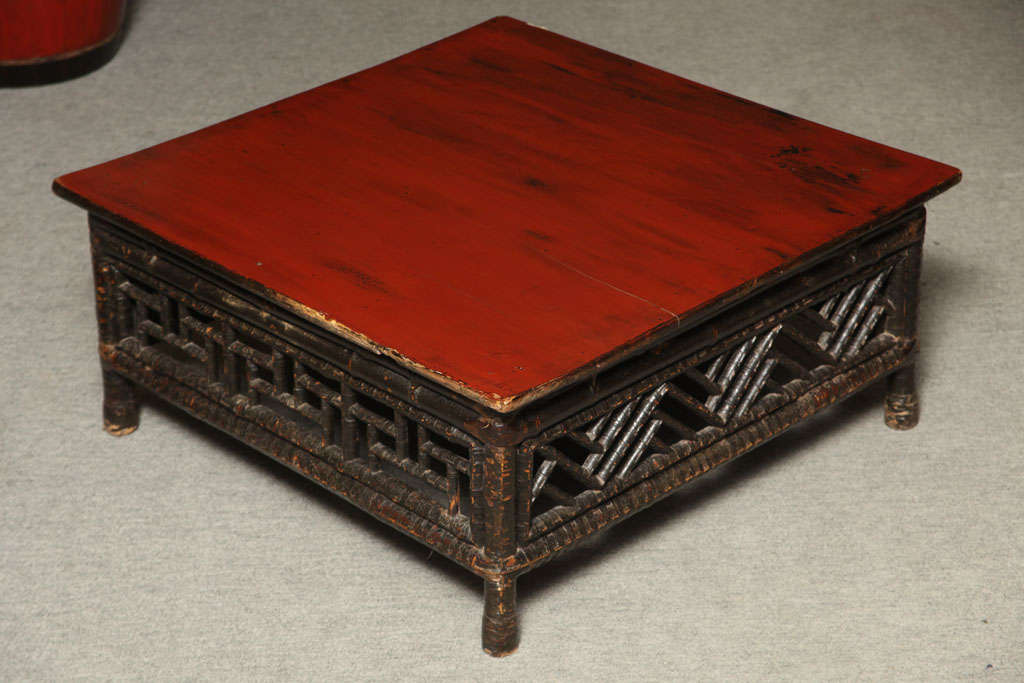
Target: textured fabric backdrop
<point>844,550</point>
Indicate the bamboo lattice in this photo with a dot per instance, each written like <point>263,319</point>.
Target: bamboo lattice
<point>344,419</point>
<point>707,398</point>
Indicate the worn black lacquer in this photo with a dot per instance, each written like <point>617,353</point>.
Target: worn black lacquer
<point>503,493</point>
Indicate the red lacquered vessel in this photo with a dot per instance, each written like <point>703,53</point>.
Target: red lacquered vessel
<point>42,41</point>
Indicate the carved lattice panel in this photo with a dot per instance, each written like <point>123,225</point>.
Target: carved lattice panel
<point>344,418</point>
<point>711,394</point>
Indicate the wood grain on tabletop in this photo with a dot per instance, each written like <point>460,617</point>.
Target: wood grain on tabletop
<point>507,206</point>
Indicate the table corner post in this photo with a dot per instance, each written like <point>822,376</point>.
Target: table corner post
<point>120,398</point>
<point>902,404</point>
<point>500,502</point>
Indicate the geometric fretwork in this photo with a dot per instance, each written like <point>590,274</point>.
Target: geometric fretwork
<point>315,404</point>
<point>713,393</point>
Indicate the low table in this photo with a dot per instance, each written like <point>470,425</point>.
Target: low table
<point>508,289</point>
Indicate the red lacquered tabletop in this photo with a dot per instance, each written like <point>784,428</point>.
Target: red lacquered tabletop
<point>508,208</point>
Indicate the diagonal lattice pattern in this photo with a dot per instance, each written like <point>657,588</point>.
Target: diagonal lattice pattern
<point>714,393</point>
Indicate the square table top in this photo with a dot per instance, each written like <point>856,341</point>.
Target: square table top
<point>508,209</point>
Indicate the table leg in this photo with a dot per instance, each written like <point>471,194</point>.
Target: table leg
<point>120,404</point>
<point>901,405</point>
<point>902,408</point>
<point>501,618</point>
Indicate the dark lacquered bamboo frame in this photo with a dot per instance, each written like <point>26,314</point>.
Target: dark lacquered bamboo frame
<point>494,533</point>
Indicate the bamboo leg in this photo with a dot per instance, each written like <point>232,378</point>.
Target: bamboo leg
<point>902,409</point>
<point>120,404</point>
<point>501,619</point>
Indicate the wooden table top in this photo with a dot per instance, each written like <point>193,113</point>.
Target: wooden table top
<point>508,209</point>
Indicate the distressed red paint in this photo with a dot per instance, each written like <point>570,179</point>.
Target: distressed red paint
<point>507,206</point>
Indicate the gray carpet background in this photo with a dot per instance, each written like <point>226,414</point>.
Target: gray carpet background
<point>841,551</point>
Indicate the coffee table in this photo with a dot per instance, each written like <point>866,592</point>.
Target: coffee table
<point>508,289</point>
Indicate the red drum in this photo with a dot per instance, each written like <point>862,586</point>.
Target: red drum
<point>48,40</point>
